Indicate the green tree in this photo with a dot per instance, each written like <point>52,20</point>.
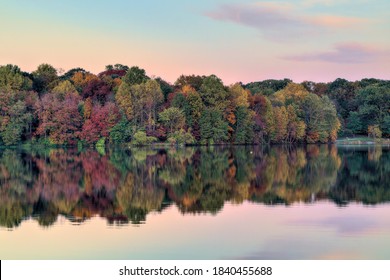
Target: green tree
<point>374,104</point>
<point>140,102</point>
<point>43,77</point>
<point>180,101</point>
<point>151,99</point>
<point>181,137</point>
<point>267,87</point>
<point>213,127</point>
<point>140,139</point>
<point>124,99</point>
<point>195,107</point>
<point>321,119</point>
<point>173,118</point>
<point>13,79</point>
<point>244,126</point>
<point>16,116</point>
<point>269,120</point>
<point>121,132</point>
<point>213,92</point>
<point>354,124</point>
<point>18,120</point>
<point>63,88</point>
<point>343,93</point>
<point>135,76</point>
<point>386,125</point>
<point>166,87</point>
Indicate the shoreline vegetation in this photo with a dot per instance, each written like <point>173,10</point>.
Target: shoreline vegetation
<point>347,141</point>
<point>125,107</point>
<point>364,141</point>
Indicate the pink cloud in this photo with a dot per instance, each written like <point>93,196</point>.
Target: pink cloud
<point>336,21</point>
<point>279,22</point>
<point>348,53</point>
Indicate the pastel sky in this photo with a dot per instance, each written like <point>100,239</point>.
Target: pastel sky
<point>238,40</point>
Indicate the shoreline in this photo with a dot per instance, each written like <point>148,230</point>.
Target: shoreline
<point>339,142</point>
<point>362,141</point>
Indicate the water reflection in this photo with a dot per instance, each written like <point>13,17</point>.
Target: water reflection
<point>123,186</point>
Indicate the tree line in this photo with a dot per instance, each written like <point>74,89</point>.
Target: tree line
<point>123,105</point>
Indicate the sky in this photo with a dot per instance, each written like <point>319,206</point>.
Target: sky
<point>237,40</point>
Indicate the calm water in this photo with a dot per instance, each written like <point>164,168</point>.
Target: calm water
<point>319,202</point>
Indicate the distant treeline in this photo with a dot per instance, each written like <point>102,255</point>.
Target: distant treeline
<point>123,105</point>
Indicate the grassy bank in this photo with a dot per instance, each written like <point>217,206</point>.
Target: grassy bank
<point>363,141</point>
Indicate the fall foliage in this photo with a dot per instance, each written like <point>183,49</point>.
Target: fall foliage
<point>79,107</point>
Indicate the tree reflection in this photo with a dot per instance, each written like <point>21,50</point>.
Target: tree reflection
<point>124,186</point>
<point>364,176</point>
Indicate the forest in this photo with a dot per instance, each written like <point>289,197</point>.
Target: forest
<point>122,105</point>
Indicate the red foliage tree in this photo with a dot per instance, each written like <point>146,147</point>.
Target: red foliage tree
<point>103,118</point>
<point>60,120</point>
<point>97,90</point>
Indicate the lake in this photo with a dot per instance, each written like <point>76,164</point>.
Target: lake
<point>243,202</point>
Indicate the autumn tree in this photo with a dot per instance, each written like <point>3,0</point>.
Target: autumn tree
<point>320,89</point>
<point>296,128</point>
<point>99,125</point>
<point>291,94</point>
<point>98,90</point>
<point>69,74</point>
<point>192,81</point>
<point>60,120</point>
<point>374,131</point>
<point>88,106</point>
<point>281,123</point>
<point>237,97</point>
<point>264,123</point>
<point>81,79</point>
